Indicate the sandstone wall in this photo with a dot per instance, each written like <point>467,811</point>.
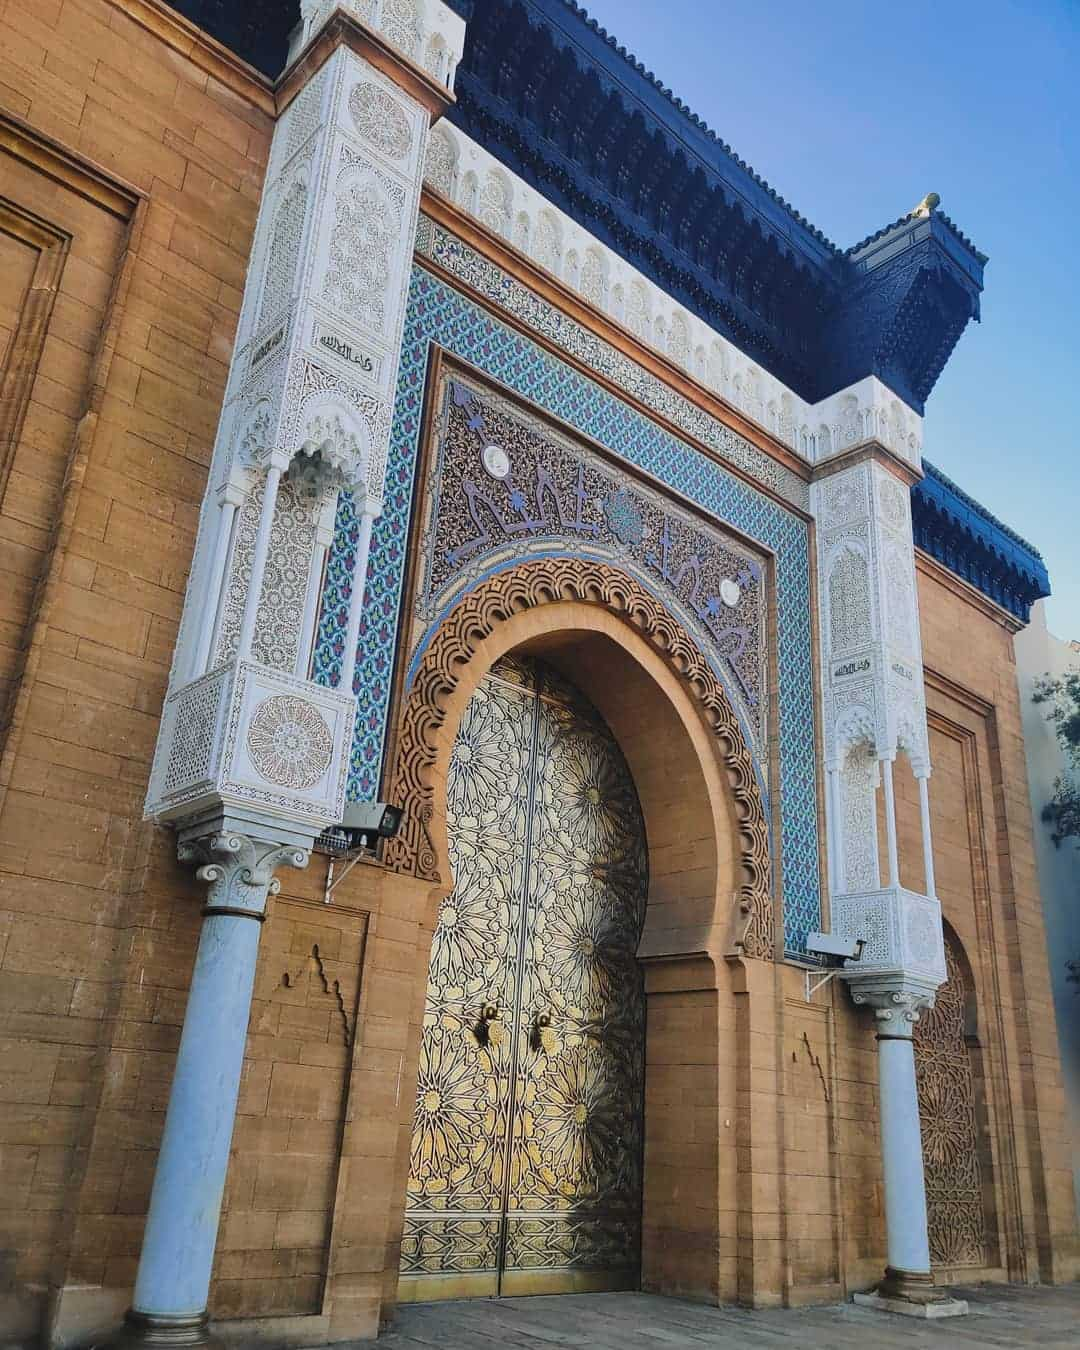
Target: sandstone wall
<point>131,158</point>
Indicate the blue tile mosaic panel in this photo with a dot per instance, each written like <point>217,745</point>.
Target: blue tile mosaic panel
<point>439,315</point>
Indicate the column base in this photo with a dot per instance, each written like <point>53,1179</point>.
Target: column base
<point>914,1286</point>
<point>947,1307</point>
<point>163,1333</point>
<point>911,1294</point>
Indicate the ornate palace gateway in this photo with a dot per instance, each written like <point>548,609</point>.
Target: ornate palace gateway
<point>525,1174</point>
<point>411,402</point>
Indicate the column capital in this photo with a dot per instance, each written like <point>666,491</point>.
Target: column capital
<point>239,870</point>
<point>896,1008</point>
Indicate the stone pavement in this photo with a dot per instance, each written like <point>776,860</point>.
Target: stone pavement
<point>1001,1316</point>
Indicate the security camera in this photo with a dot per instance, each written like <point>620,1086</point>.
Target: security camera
<point>367,822</point>
<point>836,948</point>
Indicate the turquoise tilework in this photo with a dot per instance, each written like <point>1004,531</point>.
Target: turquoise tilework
<point>439,315</point>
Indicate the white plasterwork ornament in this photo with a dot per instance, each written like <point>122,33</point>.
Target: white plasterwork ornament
<point>253,441</point>
<point>289,743</point>
<point>337,446</point>
<point>379,121</point>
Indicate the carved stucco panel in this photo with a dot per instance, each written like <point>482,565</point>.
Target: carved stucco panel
<point>858,787</point>
<point>365,245</point>
<point>851,622</point>
<point>379,121</point>
<point>945,1073</point>
<point>440,167</point>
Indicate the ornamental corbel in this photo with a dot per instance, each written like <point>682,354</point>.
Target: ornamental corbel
<point>254,435</point>
<point>232,492</point>
<point>855,726</point>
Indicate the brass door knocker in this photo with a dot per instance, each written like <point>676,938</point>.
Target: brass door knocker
<point>487,1030</point>
<point>542,1037</point>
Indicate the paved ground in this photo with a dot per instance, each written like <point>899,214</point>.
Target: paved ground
<point>1000,1317</point>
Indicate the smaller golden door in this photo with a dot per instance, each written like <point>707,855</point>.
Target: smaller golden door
<point>525,1172</point>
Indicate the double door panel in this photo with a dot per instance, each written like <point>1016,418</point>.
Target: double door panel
<point>526,1155</point>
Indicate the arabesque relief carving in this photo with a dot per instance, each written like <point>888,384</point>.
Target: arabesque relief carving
<point>530,586</point>
<point>956,1215</point>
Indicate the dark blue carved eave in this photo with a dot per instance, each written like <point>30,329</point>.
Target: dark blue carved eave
<point>552,95</point>
<point>913,288</point>
<point>256,30</point>
<point>962,535</point>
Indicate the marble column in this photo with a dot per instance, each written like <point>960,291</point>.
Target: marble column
<point>356,599</point>
<point>908,1285</point>
<point>908,1245</point>
<point>923,778</point>
<point>173,1281</point>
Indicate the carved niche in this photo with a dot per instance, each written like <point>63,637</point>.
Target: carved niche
<point>956,1212</point>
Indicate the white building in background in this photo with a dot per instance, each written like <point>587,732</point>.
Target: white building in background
<point>1039,652</point>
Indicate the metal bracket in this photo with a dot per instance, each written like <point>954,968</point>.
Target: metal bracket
<point>331,884</point>
<point>812,985</point>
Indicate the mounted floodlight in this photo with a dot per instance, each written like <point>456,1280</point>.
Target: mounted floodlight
<point>364,824</point>
<point>835,948</point>
<point>367,822</point>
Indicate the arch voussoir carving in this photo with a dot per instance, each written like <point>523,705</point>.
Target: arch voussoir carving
<point>526,587</point>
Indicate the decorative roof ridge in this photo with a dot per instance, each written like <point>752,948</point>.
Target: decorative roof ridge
<point>932,471</point>
<point>912,215</point>
<point>701,125</point>
<point>967,243</point>
<point>877,234</point>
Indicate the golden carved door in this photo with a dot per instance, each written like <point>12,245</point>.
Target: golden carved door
<point>526,1158</point>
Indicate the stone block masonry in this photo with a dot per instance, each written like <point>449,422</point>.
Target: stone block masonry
<point>133,153</point>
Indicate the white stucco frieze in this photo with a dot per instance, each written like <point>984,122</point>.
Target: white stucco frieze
<point>469,175</point>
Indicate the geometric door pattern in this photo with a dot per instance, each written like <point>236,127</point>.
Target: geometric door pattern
<point>526,1158</point>
<point>956,1214</point>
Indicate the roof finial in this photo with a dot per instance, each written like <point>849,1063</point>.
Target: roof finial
<point>928,205</point>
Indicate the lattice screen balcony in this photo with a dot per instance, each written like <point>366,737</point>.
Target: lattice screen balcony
<point>249,748</point>
<point>902,932</point>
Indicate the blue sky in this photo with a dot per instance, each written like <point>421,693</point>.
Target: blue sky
<point>853,112</point>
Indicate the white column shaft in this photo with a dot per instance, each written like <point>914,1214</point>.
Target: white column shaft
<point>185,1204</point>
<point>208,622</point>
<point>927,836</point>
<point>356,603</point>
<point>311,612</point>
<point>890,823</point>
<point>834,831</point>
<point>902,1156</point>
<point>258,563</point>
